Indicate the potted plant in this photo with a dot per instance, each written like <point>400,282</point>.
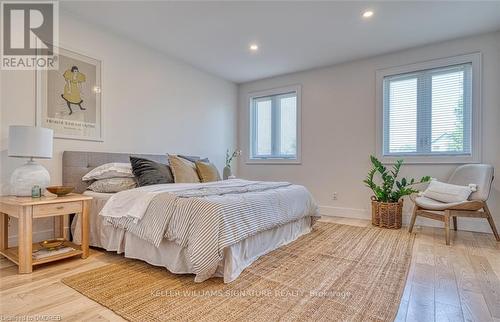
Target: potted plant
<point>226,173</point>
<point>387,201</point>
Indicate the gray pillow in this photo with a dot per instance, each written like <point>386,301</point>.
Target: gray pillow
<point>148,172</point>
<point>193,158</point>
<point>111,185</point>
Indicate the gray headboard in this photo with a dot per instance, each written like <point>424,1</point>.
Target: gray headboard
<point>76,164</point>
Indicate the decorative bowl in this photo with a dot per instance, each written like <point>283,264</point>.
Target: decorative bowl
<point>60,190</point>
<point>53,243</point>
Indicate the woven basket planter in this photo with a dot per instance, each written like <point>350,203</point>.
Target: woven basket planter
<point>387,214</point>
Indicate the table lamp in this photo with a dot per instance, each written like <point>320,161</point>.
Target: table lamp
<point>29,142</point>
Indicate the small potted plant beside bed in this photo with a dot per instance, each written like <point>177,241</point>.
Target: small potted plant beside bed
<point>387,201</point>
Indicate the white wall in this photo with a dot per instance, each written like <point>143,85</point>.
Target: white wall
<point>151,103</point>
<point>338,127</point>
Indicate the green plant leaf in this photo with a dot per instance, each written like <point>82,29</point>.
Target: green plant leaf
<point>390,189</point>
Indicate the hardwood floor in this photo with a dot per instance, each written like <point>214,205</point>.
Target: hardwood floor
<point>460,282</point>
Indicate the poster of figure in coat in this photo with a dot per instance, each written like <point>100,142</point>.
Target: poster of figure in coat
<point>70,97</point>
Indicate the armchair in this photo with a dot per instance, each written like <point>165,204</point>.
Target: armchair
<point>475,206</point>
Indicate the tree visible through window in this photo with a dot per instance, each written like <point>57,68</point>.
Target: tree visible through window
<point>428,112</point>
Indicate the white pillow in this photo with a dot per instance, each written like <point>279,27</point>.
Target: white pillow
<point>110,170</point>
<point>111,185</point>
<point>448,193</point>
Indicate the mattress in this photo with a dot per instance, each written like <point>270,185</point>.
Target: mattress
<point>174,257</point>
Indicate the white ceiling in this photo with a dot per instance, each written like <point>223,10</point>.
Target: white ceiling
<point>292,36</point>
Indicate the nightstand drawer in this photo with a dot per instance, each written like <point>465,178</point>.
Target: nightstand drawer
<point>60,208</point>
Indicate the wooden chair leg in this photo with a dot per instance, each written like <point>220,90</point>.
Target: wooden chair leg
<point>447,227</point>
<point>413,218</point>
<point>490,221</point>
<point>455,224</point>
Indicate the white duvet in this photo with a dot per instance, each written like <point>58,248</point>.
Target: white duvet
<point>133,203</point>
<point>206,218</point>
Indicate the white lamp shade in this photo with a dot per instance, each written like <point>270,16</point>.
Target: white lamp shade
<point>30,142</point>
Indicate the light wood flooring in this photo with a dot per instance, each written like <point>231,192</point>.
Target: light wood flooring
<point>460,282</point>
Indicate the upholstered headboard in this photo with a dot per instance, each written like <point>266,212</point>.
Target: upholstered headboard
<point>76,164</point>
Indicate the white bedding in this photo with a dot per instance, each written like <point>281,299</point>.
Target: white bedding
<point>174,257</point>
<point>133,203</point>
<point>100,235</point>
<point>207,218</point>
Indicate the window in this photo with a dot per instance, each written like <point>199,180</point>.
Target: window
<point>275,125</point>
<point>430,114</point>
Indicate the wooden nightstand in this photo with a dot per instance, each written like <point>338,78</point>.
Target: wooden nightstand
<point>25,209</point>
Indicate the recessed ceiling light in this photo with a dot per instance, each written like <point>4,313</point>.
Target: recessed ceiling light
<point>367,14</point>
<point>254,47</point>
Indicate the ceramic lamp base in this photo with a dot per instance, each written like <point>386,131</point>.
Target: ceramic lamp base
<point>26,176</point>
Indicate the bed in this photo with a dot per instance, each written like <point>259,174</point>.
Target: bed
<point>171,253</point>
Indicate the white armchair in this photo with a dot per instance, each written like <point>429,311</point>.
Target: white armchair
<point>479,174</point>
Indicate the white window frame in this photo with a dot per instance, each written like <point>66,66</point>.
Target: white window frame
<point>475,154</point>
<point>271,92</point>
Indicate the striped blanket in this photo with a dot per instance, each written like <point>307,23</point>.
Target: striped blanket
<point>207,218</point>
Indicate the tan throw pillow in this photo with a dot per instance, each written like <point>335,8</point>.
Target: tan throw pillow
<point>184,171</point>
<point>207,171</point>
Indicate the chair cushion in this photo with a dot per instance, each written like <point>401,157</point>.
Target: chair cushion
<point>431,204</point>
<point>446,192</point>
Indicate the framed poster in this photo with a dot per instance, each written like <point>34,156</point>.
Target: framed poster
<point>69,98</point>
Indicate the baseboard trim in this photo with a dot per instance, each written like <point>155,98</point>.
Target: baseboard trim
<point>467,224</point>
<point>344,212</point>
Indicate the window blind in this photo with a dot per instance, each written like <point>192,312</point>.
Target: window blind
<point>428,112</point>
<point>274,126</point>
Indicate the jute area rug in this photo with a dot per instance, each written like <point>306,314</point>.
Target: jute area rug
<point>335,273</point>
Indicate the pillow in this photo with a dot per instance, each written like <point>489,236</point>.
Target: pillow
<point>109,170</point>
<point>207,171</point>
<point>111,185</point>
<point>184,171</point>
<point>148,172</point>
<point>448,193</point>
<point>193,158</point>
